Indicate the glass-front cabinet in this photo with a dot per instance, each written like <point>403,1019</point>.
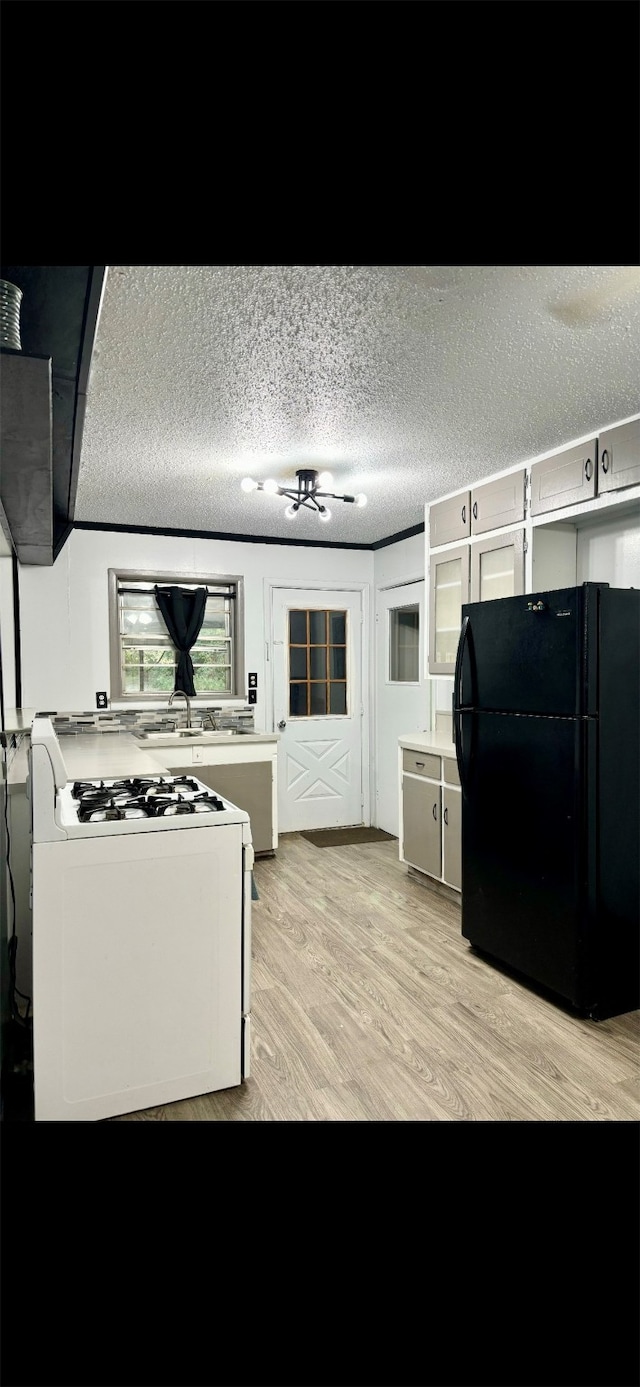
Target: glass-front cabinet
<point>497,567</point>
<point>448,589</point>
<point>475,572</point>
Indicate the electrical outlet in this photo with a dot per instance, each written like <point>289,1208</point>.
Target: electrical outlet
<point>101,700</point>
<point>198,755</point>
<point>252,681</point>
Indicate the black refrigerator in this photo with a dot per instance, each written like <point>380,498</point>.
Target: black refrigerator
<point>546,711</point>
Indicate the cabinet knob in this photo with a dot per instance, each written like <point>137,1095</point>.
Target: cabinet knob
<point>282,724</point>
<point>605,461</point>
<point>588,469</point>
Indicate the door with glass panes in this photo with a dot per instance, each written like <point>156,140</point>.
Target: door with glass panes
<point>317,704</point>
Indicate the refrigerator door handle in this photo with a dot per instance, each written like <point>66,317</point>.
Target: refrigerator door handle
<point>458,704</point>
<point>457,679</point>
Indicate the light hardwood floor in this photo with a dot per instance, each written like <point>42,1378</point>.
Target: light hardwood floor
<point>368,1005</point>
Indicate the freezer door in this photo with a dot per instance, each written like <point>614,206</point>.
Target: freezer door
<point>531,654</point>
<point>525,889</point>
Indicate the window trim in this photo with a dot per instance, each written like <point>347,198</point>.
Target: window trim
<point>123,576</point>
<point>402,683</point>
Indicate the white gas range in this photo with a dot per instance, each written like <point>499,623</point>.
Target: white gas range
<point>141,892</point>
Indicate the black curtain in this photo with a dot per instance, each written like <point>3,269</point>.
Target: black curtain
<point>182,610</point>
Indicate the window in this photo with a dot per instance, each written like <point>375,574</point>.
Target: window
<point>143,658</point>
<point>404,644</point>
<point>317,663</point>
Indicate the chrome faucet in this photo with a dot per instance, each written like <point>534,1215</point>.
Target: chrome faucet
<point>181,693</point>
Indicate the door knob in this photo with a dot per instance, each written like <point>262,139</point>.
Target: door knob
<point>282,724</point>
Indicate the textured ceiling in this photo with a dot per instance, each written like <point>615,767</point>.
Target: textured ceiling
<point>406,382</point>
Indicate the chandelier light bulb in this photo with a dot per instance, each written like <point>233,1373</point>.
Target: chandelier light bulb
<point>270,485</point>
<point>248,484</point>
<point>361,499</point>
<point>325,480</point>
<point>291,511</point>
<point>324,514</point>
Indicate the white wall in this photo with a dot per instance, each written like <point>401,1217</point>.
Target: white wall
<point>7,641</point>
<point>399,580</point>
<point>610,553</point>
<point>64,610</point>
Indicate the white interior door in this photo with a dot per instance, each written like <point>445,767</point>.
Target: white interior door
<point>317,705</point>
<point>402,692</point>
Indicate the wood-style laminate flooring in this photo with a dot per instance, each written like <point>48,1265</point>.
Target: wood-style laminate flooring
<point>369,1006</point>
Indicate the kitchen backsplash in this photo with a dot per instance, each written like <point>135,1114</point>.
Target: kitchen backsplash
<point>124,719</point>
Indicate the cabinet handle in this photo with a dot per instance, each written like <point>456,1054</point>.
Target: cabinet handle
<point>588,469</point>
<point>420,763</point>
<point>475,510</point>
<point>605,465</point>
<point>435,811</point>
<point>464,515</point>
<point>445,817</point>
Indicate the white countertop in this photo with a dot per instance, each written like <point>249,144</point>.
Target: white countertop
<point>18,719</point>
<point>437,742</point>
<point>110,756</point>
<point>94,756</point>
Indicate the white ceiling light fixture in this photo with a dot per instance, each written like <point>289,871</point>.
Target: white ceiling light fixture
<point>311,491</point>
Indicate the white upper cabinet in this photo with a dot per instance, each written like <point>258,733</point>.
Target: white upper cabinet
<point>497,503</point>
<point>619,457</point>
<point>564,479</point>
<point>450,520</point>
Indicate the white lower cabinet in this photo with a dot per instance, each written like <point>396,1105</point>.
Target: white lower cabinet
<point>245,776</point>
<point>430,814</point>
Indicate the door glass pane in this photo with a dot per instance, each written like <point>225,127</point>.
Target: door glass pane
<point>298,663</point>
<point>317,654</point>
<point>337,698</point>
<point>448,609</point>
<point>404,642</point>
<point>338,628</point>
<point>318,699</point>
<point>297,700</point>
<point>297,628</point>
<point>318,662</point>
<point>497,569</point>
<point>338,662</point>
<point>318,628</point>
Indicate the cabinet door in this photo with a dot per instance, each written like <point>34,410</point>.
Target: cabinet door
<point>619,457</point>
<point>498,503</point>
<point>421,803</point>
<point>452,838</point>
<point>448,589</point>
<point>449,520</point>
<point>249,785</point>
<point>497,567</point>
<point>564,479</point>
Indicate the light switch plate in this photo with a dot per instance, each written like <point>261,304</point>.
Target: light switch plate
<point>197,755</point>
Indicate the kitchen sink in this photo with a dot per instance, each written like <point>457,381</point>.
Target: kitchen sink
<point>180,732</point>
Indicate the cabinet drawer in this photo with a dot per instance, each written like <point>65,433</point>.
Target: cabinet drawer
<point>421,763</point>
<point>451,776</point>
